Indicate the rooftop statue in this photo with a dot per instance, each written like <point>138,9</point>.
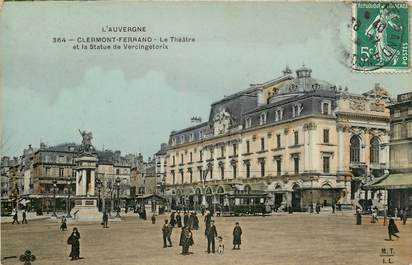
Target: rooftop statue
<point>86,146</point>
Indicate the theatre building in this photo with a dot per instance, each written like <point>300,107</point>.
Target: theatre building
<point>293,141</point>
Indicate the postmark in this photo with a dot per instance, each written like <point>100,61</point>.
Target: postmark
<point>380,37</point>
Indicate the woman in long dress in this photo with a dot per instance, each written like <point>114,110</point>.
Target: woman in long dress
<point>74,240</point>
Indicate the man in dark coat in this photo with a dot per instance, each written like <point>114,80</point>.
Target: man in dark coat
<point>172,221</point>
<point>24,221</point>
<point>211,233</point>
<point>392,229</point>
<point>105,219</point>
<point>237,236</point>
<point>167,232</point>
<point>358,216</point>
<point>195,222</point>
<point>74,240</point>
<point>179,220</point>
<point>186,240</point>
<point>208,218</point>
<point>15,217</point>
<point>185,219</point>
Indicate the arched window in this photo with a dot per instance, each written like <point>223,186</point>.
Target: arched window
<point>354,149</point>
<point>374,150</point>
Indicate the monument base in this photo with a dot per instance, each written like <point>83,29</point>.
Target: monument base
<point>86,210</point>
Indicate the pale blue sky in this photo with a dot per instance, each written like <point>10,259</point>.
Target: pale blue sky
<point>131,100</point>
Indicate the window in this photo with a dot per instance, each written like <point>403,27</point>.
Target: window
<point>326,164</point>
<point>211,172</point>
<point>397,130</point>
<point>222,172</point>
<point>173,160</point>
<point>247,146</point>
<point>263,117</point>
<point>182,139</point>
<point>191,156</point>
<point>354,149</point>
<point>117,171</point>
<point>325,108</point>
<point>192,137</point>
<point>211,153</point>
<point>279,166</point>
<point>397,113</point>
<point>181,158</point>
<point>201,155</point>
<point>248,123</point>
<point>234,149</point>
<point>200,134</point>
<point>234,171</point>
<point>191,175</point>
<point>262,144</point>
<point>278,143</point>
<point>278,114</point>
<point>173,141</point>
<point>262,168</point>
<point>296,165</point>
<point>222,151</point>
<point>181,176</point>
<point>61,172</point>
<point>247,170</point>
<point>410,129</point>
<point>296,110</point>
<point>326,136</point>
<point>47,171</point>
<point>296,137</point>
<point>374,150</point>
<point>174,177</point>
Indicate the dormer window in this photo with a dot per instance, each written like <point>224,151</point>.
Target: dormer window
<point>263,117</point>
<point>279,114</point>
<point>173,141</point>
<point>296,110</point>
<point>192,137</point>
<point>326,107</point>
<point>182,139</point>
<point>200,134</point>
<point>248,123</point>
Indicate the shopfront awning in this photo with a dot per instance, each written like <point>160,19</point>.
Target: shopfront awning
<point>393,182</point>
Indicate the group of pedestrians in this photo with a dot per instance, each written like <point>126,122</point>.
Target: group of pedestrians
<point>16,217</point>
<point>190,223</point>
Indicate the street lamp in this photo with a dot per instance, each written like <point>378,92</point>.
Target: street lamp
<point>69,184</point>
<point>118,196</point>
<point>54,197</point>
<point>99,188</point>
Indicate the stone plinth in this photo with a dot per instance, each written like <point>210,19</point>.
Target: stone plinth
<point>86,209</point>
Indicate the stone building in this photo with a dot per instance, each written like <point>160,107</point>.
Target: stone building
<point>297,139</point>
<point>398,183</point>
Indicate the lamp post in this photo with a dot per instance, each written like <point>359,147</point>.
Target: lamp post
<point>69,184</point>
<point>99,188</point>
<point>54,197</point>
<point>118,196</point>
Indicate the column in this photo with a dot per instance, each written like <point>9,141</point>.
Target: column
<point>78,189</point>
<point>84,182</point>
<point>339,129</point>
<point>92,182</point>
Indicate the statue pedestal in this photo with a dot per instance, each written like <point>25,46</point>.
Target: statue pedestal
<point>85,209</point>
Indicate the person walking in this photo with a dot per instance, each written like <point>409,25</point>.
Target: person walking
<point>211,234</point>
<point>24,220</point>
<point>179,219</point>
<point>358,216</point>
<point>185,219</point>
<point>333,207</point>
<point>15,217</point>
<point>392,229</point>
<point>195,221</point>
<point>172,219</point>
<point>105,220</point>
<point>404,216</point>
<point>186,240</point>
<point>207,220</point>
<point>167,232</point>
<point>237,236</point>
<point>74,240</point>
<point>63,226</point>
<point>375,215</point>
<point>153,219</point>
<point>317,208</point>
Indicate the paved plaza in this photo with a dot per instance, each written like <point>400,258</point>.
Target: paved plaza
<point>278,239</point>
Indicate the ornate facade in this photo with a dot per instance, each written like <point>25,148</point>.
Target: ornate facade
<point>289,137</point>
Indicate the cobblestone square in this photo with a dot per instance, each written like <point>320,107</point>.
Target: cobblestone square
<point>278,239</point>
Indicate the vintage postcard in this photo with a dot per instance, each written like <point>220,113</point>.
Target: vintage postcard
<point>186,132</point>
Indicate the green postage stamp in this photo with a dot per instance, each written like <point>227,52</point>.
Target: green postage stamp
<point>380,37</point>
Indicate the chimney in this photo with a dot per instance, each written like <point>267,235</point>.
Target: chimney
<point>195,120</point>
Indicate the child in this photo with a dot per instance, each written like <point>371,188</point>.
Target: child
<point>221,246</point>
